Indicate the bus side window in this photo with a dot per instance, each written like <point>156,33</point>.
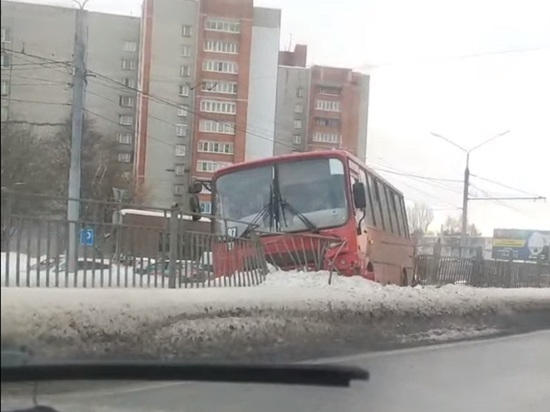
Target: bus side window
<point>395,211</point>
<point>403,212</point>
<point>385,208</point>
<point>377,203</point>
<point>371,221</point>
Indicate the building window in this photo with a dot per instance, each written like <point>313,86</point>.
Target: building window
<point>300,92</point>
<point>126,120</point>
<point>218,106</point>
<point>6,38</point>
<point>218,46</point>
<point>185,71</point>
<point>5,63</point>
<point>212,126</point>
<point>298,108</point>
<point>5,89</point>
<point>183,90</point>
<point>297,124</point>
<point>179,170</point>
<point>206,208</point>
<point>124,157</point>
<point>179,150</point>
<point>321,121</point>
<point>130,83</point>
<point>179,190</point>
<point>127,101</point>
<point>181,130</point>
<point>219,66</point>
<point>327,105</point>
<point>130,46</point>
<point>183,110</point>
<point>210,166</point>
<point>331,91</point>
<point>127,64</point>
<point>124,138</point>
<point>297,139</point>
<point>212,86</point>
<point>185,50</point>
<point>215,147</point>
<point>186,30</point>
<point>228,26</point>
<point>326,138</point>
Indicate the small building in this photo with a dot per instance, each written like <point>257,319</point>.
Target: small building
<point>147,233</point>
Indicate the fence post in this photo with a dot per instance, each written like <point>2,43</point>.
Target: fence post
<point>539,270</point>
<point>173,253</point>
<point>509,282</point>
<point>435,264</point>
<point>477,272</point>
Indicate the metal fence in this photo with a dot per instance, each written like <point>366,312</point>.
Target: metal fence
<point>171,250</point>
<point>437,270</point>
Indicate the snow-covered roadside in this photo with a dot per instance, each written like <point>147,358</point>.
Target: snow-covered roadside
<point>287,309</point>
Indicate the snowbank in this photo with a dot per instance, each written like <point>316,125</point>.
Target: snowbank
<point>291,315</point>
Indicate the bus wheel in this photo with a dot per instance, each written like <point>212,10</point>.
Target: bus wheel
<point>404,278</point>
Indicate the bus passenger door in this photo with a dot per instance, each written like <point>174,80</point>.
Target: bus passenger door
<point>357,175</point>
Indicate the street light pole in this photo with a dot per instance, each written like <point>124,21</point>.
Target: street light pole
<point>465,198</point>
<point>466,190</point>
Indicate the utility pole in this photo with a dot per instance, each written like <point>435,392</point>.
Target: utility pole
<point>77,123</point>
<point>465,194</point>
<point>465,198</point>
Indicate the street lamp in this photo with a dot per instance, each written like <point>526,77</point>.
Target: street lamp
<point>467,176</point>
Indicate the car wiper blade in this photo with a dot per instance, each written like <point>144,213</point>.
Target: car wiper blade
<point>314,375</point>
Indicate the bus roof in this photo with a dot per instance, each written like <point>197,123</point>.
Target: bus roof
<point>299,156</point>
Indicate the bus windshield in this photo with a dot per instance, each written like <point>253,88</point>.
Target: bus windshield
<point>290,196</point>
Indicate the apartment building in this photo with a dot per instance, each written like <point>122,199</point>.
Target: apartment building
<point>37,50</point>
<point>208,72</point>
<point>320,107</point>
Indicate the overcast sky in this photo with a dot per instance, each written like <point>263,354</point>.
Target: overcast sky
<point>467,69</point>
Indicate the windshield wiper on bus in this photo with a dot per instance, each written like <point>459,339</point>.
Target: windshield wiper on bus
<point>308,223</point>
<point>284,204</point>
<point>267,209</point>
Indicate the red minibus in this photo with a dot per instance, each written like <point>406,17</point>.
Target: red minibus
<point>324,205</point>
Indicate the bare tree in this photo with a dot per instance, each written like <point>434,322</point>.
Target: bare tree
<point>100,169</point>
<point>453,227</point>
<point>420,217</point>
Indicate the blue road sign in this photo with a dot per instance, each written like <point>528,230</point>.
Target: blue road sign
<point>87,237</point>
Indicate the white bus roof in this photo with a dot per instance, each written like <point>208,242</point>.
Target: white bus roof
<point>151,213</point>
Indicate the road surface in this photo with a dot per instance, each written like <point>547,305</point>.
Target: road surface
<point>502,375</point>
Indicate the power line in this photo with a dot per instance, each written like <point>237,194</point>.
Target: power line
<point>406,174</point>
<point>247,128</point>
<point>429,195</point>
<point>504,185</point>
<point>37,102</point>
<point>457,57</point>
<point>172,145</point>
<point>46,59</point>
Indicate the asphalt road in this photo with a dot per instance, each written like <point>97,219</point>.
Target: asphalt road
<point>505,374</point>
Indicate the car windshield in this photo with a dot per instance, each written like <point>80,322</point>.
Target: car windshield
<point>276,182</point>
<point>278,196</point>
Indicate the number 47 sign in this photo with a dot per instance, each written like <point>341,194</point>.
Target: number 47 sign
<point>231,234</point>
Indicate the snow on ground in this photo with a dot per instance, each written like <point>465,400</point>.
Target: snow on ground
<point>300,290</point>
<point>286,304</point>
